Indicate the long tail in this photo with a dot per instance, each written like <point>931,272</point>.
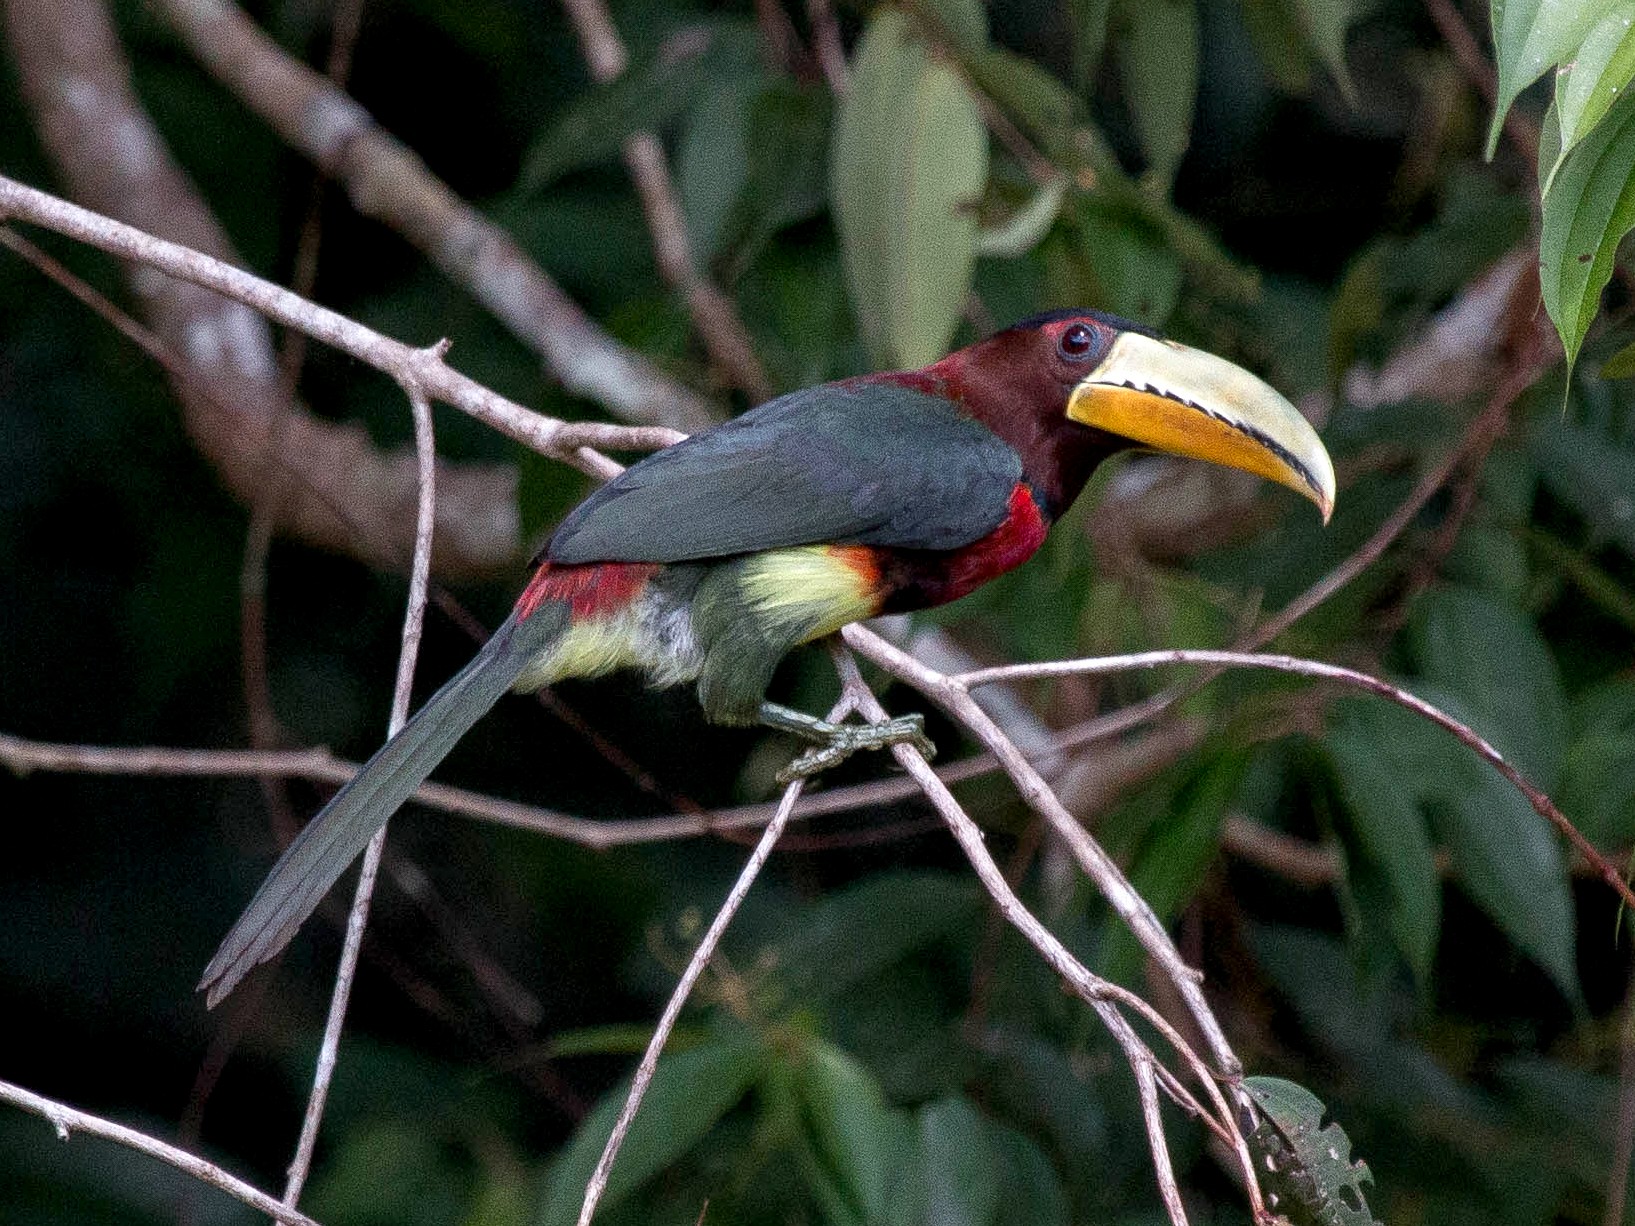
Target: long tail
<point>333,839</point>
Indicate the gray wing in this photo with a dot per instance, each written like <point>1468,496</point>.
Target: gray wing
<point>861,463</point>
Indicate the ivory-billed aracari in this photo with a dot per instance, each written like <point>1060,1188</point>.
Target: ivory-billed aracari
<point>709,561</point>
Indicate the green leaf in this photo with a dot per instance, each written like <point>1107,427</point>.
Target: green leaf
<point>787,150</point>
<point>1307,1173</point>
<point>1532,37</point>
<point>689,1092</point>
<point>962,24</point>
<point>712,162</point>
<point>1492,657</point>
<point>1598,779</point>
<point>1599,72</point>
<point>1591,206</point>
<point>909,163</point>
<point>1280,42</point>
<point>1508,860</point>
<point>1087,22</point>
<point>1028,93</point>
<point>1024,229</point>
<point>1031,1191</point>
<point>858,1142</point>
<point>1366,747</point>
<point>1157,51</point>
<point>1551,153</point>
<point>647,96</point>
<point>1592,472</point>
<point>1325,23</point>
<point>392,1169</point>
<point>961,1179</point>
<point>952,1179</point>
<point>1136,273</point>
<point>1173,861</point>
<point>862,930</point>
<point>1620,365</point>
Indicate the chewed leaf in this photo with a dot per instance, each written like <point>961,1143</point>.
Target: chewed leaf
<point>1305,1169</point>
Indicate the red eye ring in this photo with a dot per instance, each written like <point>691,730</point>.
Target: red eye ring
<point>1077,342</point>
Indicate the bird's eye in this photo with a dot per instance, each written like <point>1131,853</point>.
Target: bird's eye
<point>1076,343</point>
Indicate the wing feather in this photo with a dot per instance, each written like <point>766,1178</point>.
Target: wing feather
<point>860,463</point>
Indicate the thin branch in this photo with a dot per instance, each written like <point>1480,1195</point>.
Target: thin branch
<point>67,1120</point>
<point>1134,910</point>
<point>1100,994</point>
<point>1519,375</point>
<point>713,313</point>
<point>1146,1084</point>
<point>683,989</point>
<point>414,618</point>
<point>1467,736</point>
<point>387,181</point>
<point>425,368</point>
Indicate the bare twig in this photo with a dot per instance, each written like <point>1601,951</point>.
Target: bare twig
<point>67,1120</point>
<point>1146,1083</point>
<point>386,180</point>
<point>713,313</point>
<point>1541,803</point>
<point>569,441</point>
<point>955,698</point>
<point>413,619</point>
<point>683,989</point>
<point>1102,996</point>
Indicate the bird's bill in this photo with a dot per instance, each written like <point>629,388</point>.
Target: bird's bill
<point>1186,402</point>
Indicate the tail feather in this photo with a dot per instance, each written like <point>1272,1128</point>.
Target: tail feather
<point>333,839</point>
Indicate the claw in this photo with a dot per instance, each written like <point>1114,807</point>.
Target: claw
<point>841,741</point>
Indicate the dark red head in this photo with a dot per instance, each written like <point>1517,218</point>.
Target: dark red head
<point>1069,388</point>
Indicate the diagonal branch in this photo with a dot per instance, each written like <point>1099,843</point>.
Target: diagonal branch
<point>713,313</point>
<point>68,1120</point>
<point>1101,995</point>
<point>684,988</point>
<point>570,442</point>
<point>387,181</point>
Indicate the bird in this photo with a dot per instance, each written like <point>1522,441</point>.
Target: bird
<point>709,561</point>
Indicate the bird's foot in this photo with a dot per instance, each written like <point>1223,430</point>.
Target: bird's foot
<point>837,742</point>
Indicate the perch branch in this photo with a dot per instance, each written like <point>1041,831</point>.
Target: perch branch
<point>571,442</point>
<point>684,987</point>
<point>1100,994</point>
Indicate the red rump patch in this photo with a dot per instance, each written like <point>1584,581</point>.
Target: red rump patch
<point>590,590</point>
